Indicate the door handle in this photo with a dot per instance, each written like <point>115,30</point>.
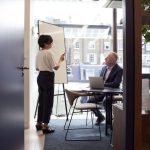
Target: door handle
<point>22,69</point>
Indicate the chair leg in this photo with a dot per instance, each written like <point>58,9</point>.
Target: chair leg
<point>69,126</point>
<point>111,136</point>
<point>86,117</point>
<point>67,119</point>
<point>92,117</point>
<point>99,132</point>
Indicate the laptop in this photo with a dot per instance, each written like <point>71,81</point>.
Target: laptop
<point>96,82</point>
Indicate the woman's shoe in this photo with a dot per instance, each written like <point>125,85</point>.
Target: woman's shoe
<point>47,130</point>
<point>38,127</point>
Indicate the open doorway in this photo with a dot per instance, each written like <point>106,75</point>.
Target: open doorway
<point>88,38</point>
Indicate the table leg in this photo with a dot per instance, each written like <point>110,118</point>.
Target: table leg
<point>108,112</point>
<point>106,115</point>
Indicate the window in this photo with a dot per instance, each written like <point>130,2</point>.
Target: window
<point>77,45</point>
<point>84,36</point>
<point>91,58</point>
<point>69,71</point>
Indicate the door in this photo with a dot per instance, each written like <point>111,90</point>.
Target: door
<point>11,79</point>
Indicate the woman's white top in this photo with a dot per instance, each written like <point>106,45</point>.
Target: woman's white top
<point>45,61</point>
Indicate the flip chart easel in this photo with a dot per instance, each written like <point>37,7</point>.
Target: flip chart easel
<point>57,34</point>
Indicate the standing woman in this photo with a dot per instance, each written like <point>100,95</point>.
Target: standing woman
<point>46,65</point>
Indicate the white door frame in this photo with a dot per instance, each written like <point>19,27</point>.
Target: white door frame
<point>27,33</point>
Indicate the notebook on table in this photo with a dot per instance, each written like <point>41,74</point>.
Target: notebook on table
<point>96,82</point>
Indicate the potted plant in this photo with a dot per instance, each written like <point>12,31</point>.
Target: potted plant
<point>146,33</point>
<point>146,5</point>
<point>146,27</point>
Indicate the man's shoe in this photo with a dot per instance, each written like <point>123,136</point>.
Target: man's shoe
<point>99,120</point>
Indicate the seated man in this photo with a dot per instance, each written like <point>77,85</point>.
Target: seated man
<point>112,75</point>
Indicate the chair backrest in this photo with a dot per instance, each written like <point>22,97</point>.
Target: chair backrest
<point>145,94</point>
<point>71,96</point>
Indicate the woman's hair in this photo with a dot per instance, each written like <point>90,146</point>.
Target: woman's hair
<point>44,39</point>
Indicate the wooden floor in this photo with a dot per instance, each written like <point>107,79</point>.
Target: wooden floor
<point>34,140</point>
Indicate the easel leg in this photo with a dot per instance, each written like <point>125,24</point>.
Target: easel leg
<point>57,101</point>
<point>65,102</point>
